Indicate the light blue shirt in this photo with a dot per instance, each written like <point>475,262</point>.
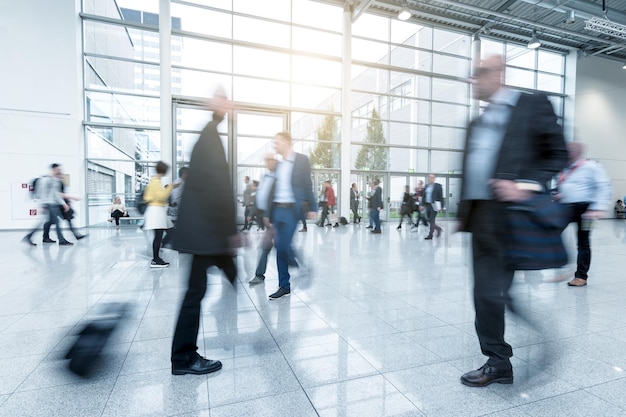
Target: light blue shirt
<point>485,143</point>
<point>588,183</point>
<point>283,193</point>
<point>263,193</point>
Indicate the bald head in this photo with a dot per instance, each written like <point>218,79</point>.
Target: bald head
<point>487,78</point>
<point>575,150</point>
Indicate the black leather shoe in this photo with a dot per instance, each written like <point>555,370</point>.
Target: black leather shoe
<point>49,241</point>
<point>428,238</point>
<point>65,243</point>
<point>79,237</point>
<point>199,366</point>
<point>486,375</point>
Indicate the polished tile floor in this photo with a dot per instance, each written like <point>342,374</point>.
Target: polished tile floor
<point>376,325</point>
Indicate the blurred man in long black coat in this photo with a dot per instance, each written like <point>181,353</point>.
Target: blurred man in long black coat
<point>205,228</point>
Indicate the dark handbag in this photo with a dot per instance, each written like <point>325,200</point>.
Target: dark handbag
<point>533,236</point>
<point>67,215</point>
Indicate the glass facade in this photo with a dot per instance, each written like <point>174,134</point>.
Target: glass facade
<point>410,99</point>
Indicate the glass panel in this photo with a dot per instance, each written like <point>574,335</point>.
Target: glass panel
<point>449,65</point>
<point>411,58</point>
<point>369,79</point>
<point>409,110</point>
<point>551,62</point>
<point>261,63</point>
<point>201,84</point>
<point>316,71</point>
<point>259,31</point>
<point>408,160</point>
<point>371,26</point>
<point>451,42</point>
<point>370,157</point>
<point>192,118</point>
<point>122,76</point>
<point>450,90</point>
<point>411,34</point>
<point>118,108</point>
<point>122,143</point>
<point>551,83</point>
<point>216,4</point>
<point>315,14</point>
<point>403,134</point>
<point>252,150</point>
<point>450,115</point>
<point>443,161</point>
<point>259,124</point>
<point>310,97</point>
<point>201,54</point>
<point>489,48</point>
<point>520,78</point>
<point>113,40</point>
<point>279,10</point>
<point>315,41</point>
<point>103,8</point>
<point>320,131</point>
<point>369,51</point>
<point>199,20</point>
<point>520,56</point>
<point>447,137</point>
<point>257,91</point>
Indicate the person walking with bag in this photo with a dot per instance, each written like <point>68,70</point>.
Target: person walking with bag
<point>511,151</point>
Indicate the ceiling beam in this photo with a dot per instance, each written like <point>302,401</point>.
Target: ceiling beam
<point>361,8</point>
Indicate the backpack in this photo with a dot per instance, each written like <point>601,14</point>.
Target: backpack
<point>141,203</point>
<point>33,188</point>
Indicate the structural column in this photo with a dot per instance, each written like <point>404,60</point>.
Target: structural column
<point>165,42</point>
<point>346,111</point>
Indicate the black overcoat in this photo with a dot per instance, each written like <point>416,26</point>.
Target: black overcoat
<point>207,213</point>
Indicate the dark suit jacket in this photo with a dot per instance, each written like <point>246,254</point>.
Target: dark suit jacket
<point>302,185</point>
<point>376,200</point>
<point>206,217</point>
<point>437,193</point>
<point>533,147</point>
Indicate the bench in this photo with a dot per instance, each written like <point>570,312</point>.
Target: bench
<point>134,218</point>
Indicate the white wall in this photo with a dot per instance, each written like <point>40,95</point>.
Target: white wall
<point>41,106</point>
<point>600,121</point>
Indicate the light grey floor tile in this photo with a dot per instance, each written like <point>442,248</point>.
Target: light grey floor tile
<point>149,355</point>
<point>324,364</point>
<point>611,392</point>
<point>573,404</point>
<point>250,377</point>
<point>238,342</point>
<point>85,399</point>
<point>157,393</point>
<point>15,371</point>
<point>368,396</point>
<point>31,342</point>
<point>289,404</point>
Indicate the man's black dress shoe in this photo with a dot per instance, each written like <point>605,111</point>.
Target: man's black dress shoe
<point>428,238</point>
<point>48,240</point>
<point>486,375</point>
<point>199,366</point>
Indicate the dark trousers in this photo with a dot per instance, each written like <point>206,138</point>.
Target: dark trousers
<point>266,248</point>
<point>583,259</point>
<point>156,243</point>
<point>284,220</point>
<point>324,218</point>
<point>354,206</point>
<point>116,215</point>
<point>431,215</point>
<point>246,213</point>
<point>492,281</point>
<point>54,212</point>
<point>184,344</point>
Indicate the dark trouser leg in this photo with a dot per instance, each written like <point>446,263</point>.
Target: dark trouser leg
<point>156,243</point>
<point>285,222</point>
<point>492,280</point>
<point>376,218</point>
<point>432,215</point>
<point>116,215</point>
<point>46,229</point>
<point>184,344</point>
<point>246,213</point>
<point>55,213</point>
<point>324,214</point>
<point>261,266</point>
<point>583,260</point>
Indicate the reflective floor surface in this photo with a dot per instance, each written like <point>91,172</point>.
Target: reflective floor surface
<point>376,325</point>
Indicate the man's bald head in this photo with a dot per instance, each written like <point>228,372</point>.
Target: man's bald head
<point>487,78</point>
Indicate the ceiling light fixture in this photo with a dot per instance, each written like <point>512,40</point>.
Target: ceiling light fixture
<point>404,13</point>
<point>534,43</point>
